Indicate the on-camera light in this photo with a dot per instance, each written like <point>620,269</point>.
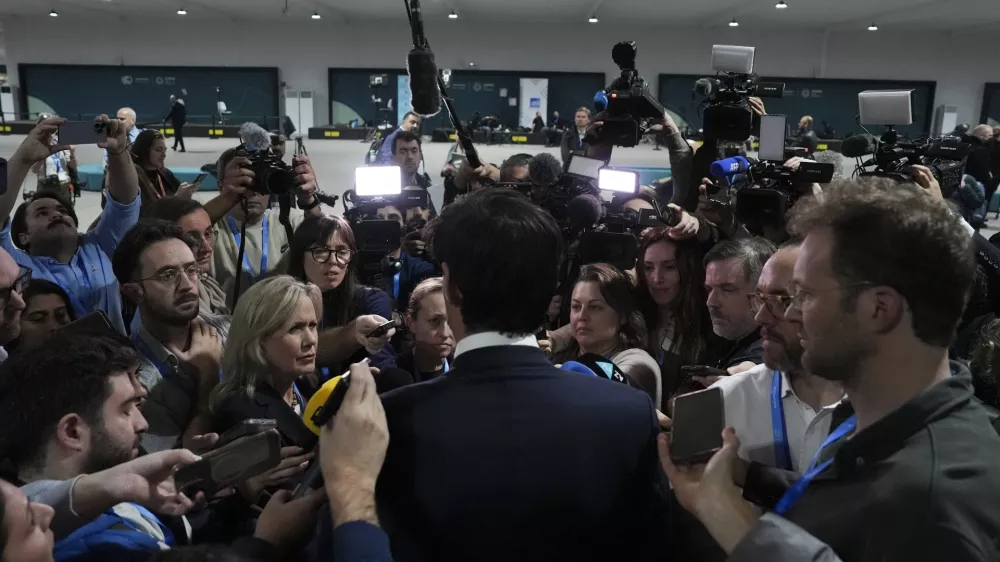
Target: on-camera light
<point>618,181</point>
<point>378,180</point>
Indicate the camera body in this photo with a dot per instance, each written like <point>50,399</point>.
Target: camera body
<point>272,176</point>
<point>629,101</point>
<point>944,156</point>
<point>728,115</point>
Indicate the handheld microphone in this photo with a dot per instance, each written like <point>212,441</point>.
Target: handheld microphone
<point>319,411</point>
<point>544,169</point>
<point>574,367</point>
<point>857,146</point>
<point>730,166</point>
<point>254,137</point>
<point>600,101</point>
<point>423,72</point>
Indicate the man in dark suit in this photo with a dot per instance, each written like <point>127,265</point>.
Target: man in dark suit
<point>572,141</point>
<point>506,457</point>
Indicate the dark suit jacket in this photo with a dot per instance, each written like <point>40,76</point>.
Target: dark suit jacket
<point>266,404</point>
<point>508,458</point>
<point>570,143</point>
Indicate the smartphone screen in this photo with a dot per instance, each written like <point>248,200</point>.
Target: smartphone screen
<point>244,458</point>
<point>378,180</point>
<point>79,132</point>
<point>772,138</point>
<point>699,418</point>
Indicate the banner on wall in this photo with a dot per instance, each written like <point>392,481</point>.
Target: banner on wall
<point>534,98</point>
<point>403,97</point>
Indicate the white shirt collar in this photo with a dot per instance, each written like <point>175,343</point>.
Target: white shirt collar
<point>787,390</point>
<point>492,339</point>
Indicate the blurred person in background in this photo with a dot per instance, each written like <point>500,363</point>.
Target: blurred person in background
<point>606,321</point>
<point>54,172</point>
<point>323,252</point>
<point>430,341</point>
<point>978,163</point>
<point>178,118</point>
<point>572,140</point>
<point>412,267</point>
<point>127,116</point>
<point>806,135</point>
<point>410,124</point>
<point>46,309</point>
<point>44,232</point>
<point>149,152</point>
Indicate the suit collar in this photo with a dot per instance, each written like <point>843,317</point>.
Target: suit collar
<point>498,358</point>
<point>493,339</point>
<point>290,424</point>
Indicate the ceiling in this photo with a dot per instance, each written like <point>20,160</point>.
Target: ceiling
<point>836,15</point>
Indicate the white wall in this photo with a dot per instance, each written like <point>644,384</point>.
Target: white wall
<point>303,51</point>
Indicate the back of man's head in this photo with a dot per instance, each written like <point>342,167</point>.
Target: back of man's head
<point>501,255</point>
<point>753,253</point>
<point>38,387</point>
<point>889,234</point>
<point>510,166</point>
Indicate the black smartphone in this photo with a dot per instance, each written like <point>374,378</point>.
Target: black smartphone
<point>226,466</point>
<point>245,428</point>
<point>201,177</point>
<point>81,132</point>
<point>703,371</point>
<point>698,421</point>
<point>94,324</point>
<point>3,176</point>
<point>382,329</point>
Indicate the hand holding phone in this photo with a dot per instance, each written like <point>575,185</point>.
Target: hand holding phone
<point>382,329</point>
<point>696,432</point>
<point>81,132</point>
<point>229,465</point>
<point>704,374</point>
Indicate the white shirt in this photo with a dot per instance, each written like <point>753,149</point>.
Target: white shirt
<point>492,339</point>
<point>747,399</point>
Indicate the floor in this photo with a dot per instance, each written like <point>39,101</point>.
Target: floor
<point>334,162</point>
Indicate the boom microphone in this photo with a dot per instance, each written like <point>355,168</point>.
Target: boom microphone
<point>730,166</point>
<point>254,136</point>
<point>857,146</point>
<point>426,97</point>
<point>583,212</point>
<point>544,169</point>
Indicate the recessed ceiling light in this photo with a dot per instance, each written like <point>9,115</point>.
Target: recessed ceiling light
<point>54,14</point>
<point>781,5</point>
<point>593,19</point>
<point>734,23</point>
<point>873,27</point>
<point>316,16</point>
<point>453,15</point>
<point>182,12</point>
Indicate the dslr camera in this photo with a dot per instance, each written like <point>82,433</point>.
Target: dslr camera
<point>630,105</point>
<point>945,156</point>
<point>271,175</point>
<point>727,115</point>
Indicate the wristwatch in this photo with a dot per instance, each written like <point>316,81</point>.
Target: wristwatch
<point>311,205</point>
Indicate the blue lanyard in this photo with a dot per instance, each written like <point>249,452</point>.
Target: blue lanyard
<point>782,452</point>
<point>263,249</point>
<point>395,286</point>
<point>798,489</point>
<point>74,300</point>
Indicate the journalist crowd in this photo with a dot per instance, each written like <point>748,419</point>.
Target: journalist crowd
<point>794,371</point>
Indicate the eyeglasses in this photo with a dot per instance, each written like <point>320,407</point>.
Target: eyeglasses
<point>322,254</point>
<point>801,296</point>
<point>171,276</point>
<point>776,304</point>
<point>20,284</point>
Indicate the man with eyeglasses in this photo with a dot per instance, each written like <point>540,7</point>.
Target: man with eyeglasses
<point>13,280</point>
<point>780,412</point>
<point>180,348</point>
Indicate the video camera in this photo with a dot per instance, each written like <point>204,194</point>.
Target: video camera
<point>728,115</point>
<point>629,101</point>
<point>892,155</point>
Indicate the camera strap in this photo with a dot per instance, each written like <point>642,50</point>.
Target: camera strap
<point>239,233</point>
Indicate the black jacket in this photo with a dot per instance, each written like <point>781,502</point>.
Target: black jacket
<point>571,143</point>
<point>508,458</point>
<point>178,114</point>
<point>266,403</point>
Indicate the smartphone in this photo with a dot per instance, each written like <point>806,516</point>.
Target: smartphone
<point>703,371</point>
<point>772,138</point>
<point>699,418</point>
<point>81,132</point>
<point>94,324</point>
<point>382,329</point>
<point>244,429</point>
<point>3,176</point>
<point>201,177</point>
<point>244,458</point>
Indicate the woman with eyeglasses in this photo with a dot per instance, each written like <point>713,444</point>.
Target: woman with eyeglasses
<point>46,309</point>
<point>323,252</point>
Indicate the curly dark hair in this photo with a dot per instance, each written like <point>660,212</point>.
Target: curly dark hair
<point>893,234</point>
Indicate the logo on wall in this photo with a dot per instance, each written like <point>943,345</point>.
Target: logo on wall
<point>159,80</point>
<point>536,103</point>
<point>127,80</point>
<point>476,86</point>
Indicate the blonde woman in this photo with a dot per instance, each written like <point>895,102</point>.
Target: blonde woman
<point>272,343</point>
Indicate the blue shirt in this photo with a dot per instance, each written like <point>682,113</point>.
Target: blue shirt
<point>88,278</point>
<point>384,155</point>
<point>359,541</point>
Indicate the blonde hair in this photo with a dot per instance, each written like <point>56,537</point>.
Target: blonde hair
<point>426,288</point>
<point>261,311</point>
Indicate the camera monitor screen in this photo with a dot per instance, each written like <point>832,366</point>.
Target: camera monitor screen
<point>618,181</point>
<point>583,167</point>
<point>772,138</point>
<point>378,180</point>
